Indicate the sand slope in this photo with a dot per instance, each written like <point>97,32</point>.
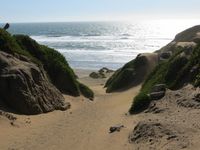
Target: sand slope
<point>84,127</point>
<point>171,123</point>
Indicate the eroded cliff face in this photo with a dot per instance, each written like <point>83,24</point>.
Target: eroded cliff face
<point>25,87</point>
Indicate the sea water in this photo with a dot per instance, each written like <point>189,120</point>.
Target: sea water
<point>93,45</point>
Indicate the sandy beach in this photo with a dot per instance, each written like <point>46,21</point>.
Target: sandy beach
<point>83,127</point>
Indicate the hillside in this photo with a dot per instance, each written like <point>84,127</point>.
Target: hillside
<point>136,71</point>
<point>28,68</point>
<point>181,68</point>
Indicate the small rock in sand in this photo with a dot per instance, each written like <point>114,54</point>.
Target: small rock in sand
<point>116,128</point>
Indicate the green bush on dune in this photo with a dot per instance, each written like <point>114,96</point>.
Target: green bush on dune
<point>87,92</point>
<point>174,72</point>
<point>122,79</point>
<point>131,73</point>
<point>8,44</point>
<point>54,63</point>
<point>141,102</point>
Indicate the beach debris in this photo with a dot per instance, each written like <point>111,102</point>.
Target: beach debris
<point>116,128</point>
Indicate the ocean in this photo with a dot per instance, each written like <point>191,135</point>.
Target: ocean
<point>93,45</point>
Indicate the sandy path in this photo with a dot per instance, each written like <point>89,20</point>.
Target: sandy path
<point>83,127</point>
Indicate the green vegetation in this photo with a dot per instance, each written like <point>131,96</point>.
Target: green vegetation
<point>141,102</point>
<point>54,63</point>
<point>9,45</point>
<point>131,73</point>
<point>86,91</point>
<point>174,72</point>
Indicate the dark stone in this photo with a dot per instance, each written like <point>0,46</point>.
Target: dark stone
<point>94,75</point>
<point>105,70</point>
<point>157,95</point>
<point>158,88</point>
<point>165,55</point>
<point>116,128</point>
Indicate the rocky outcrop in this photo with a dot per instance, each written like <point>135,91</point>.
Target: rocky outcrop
<point>102,73</point>
<point>156,135</point>
<point>97,75</point>
<point>56,66</point>
<point>150,131</point>
<point>187,39</point>
<point>25,87</point>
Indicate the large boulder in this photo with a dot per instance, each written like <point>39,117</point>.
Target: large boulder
<point>25,87</point>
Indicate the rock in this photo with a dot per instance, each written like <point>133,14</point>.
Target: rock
<point>8,115</point>
<point>105,70</point>
<point>157,92</point>
<point>101,73</point>
<point>25,87</point>
<point>94,75</point>
<point>158,88</point>
<point>157,95</point>
<point>153,108</point>
<point>145,132</point>
<point>165,55</point>
<point>116,128</point>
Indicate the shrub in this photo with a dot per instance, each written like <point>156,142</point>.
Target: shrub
<point>86,91</point>
<point>131,73</point>
<point>140,102</point>
<point>174,72</point>
<point>122,79</point>
<point>9,45</point>
<point>59,72</point>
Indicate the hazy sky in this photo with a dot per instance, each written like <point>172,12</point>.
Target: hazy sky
<point>96,10</point>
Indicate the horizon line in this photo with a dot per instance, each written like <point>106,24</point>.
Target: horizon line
<point>79,21</point>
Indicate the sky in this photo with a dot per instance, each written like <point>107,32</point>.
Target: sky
<point>96,10</point>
